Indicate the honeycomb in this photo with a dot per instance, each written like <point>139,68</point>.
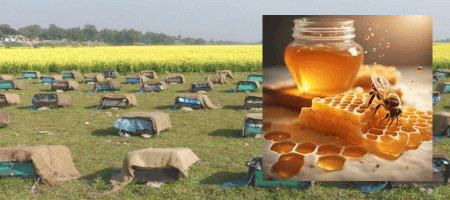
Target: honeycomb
<point>342,127</point>
<point>363,78</point>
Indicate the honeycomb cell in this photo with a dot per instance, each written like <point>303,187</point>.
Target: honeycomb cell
<point>305,148</point>
<point>376,131</point>
<point>408,129</point>
<point>372,137</point>
<point>354,152</point>
<point>266,126</point>
<point>415,139</point>
<point>277,136</point>
<point>426,117</point>
<point>331,162</point>
<point>327,100</point>
<point>283,147</point>
<point>391,133</point>
<point>328,149</point>
<point>288,165</point>
<point>360,110</point>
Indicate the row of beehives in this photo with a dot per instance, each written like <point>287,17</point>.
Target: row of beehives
<point>192,101</point>
<point>61,82</point>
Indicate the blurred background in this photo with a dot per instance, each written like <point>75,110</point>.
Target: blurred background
<point>410,38</point>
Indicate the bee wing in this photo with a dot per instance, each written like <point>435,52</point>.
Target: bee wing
<point>381,85</point>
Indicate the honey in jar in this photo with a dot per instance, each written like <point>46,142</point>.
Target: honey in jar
<point>323,58</point>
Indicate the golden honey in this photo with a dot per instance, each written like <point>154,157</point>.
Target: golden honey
<point>323,58</point>
<point>323,71</point>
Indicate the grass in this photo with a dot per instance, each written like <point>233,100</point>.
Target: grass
<point>214,135</point>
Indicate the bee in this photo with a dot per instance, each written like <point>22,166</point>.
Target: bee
<point>381,89</point>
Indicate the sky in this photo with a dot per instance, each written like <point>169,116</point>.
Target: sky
<point>208,19</point>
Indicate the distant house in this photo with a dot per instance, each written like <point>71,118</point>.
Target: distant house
<point>15,38</point>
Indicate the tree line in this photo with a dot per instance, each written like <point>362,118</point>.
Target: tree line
<point>112,37</point>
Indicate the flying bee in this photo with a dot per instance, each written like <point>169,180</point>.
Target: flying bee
<point>381,89</point>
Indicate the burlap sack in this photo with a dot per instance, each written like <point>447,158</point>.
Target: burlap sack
<point>217,79</point>
<point>225,72</point>
<point>251,116</point>
<point>140,77</point>
<point>19,84</point>
<point>256,83</point>
<point>64,100</point>
<point>151,158</point>
<point>71,85</point>
<point>153,82</point>
<point>175,78</point>
<point>53,163</point>
<point>441,121</point>
<point>161,121</point>
<point>38,74</point>
<point>4,119</point>
<point>150,74</point>
<point>206,103</point>
<point>77,75</point>
<point>210,85</point>
<point>132,101</point>
<point>55,77</point>
<point>98,77</point>
<point>441,87</point>
<point>5,77</point>
<point>11,98</point>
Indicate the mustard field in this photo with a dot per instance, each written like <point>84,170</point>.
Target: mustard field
<point>441,55</point>
<point>124,59</point>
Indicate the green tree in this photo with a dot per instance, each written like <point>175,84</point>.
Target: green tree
<point>90,32</point>
<point>7,30</point>
<point>31,31</point>
<point>75,34</point>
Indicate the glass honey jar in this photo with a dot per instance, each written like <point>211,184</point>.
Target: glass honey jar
<point>323,58</point>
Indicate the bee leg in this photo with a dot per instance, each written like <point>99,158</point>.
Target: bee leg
<point>371,98</point>
<point>376,108</point>
<point>391,122</point>
<point>397,121</point>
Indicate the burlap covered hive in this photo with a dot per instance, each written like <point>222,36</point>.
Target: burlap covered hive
<point>205,101</point>
<point>76,75</point>
<point>161,121</point>
<point>175,78</point>
<point>97,77</point>
<point>225,73</point>
<point>340,129</point>
<point>150,74</point>
<point>9,99</point>
<point>441,122</point>
<point>149,159</point>
<point>53,163</point>
<point>217,79</point>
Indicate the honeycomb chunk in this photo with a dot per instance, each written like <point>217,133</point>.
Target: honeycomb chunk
<point>283,147</point>
<point>328,149</point>
<point>288,165</point>
<point>342,116</point>
<point>354,151</point>
<point>331,162</point>
<point>305,148</point>
<point>277,136</point>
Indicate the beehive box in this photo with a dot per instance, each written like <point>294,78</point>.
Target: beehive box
<point>340,138</point>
